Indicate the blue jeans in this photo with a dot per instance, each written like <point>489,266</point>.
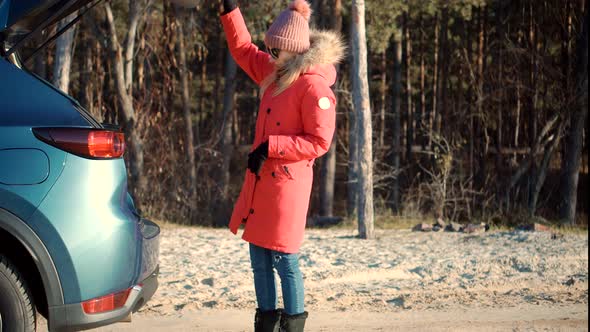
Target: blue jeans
<point>287,265</point>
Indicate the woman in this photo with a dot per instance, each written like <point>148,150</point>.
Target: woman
<point>295,125</point>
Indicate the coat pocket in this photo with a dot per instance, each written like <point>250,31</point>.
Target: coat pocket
<point>282,172</point>
<point>288,171</point>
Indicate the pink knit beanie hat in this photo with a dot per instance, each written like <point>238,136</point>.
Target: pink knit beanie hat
<point>290,30</point>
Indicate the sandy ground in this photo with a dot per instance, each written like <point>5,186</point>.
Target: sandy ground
<point>401,281</point>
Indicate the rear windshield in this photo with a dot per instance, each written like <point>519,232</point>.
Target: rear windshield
<point>26,100</point>
<point>26,15</point>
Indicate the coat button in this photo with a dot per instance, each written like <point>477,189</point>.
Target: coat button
<point>251,211</point>
<point>268,111</point>
<point>273,174</point>
<point>282,153</point>
<point>244,220</point>
<point>278,123</point>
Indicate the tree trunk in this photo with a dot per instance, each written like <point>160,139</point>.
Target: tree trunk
<point>435,75</point>
<point>443,67</point>
<point>134,16</point>
<point>533,94</point>
<point>328,165</point>
<point>40,66</point>
<point>421,107</point>
<point>85,93</point>
<point>500,89</point>
<point>383,101</point>
<point>317,19</point>
<point>352,183</point>
<point>480,145</point>
<point>63,55</point>
<point>336,23</point>
<point>362,106</point>
<point>327,179</point>
<point>219,64</point>
<point>202,84</point>
<point>100,70</point>
<point>413,128</point>
<point>186,111</point>
<point>532,40</point>
<point>227,147</point>
<point>396,126</point>
<point>541,173</point>
<point>126,100</point>
<point>570,173</point>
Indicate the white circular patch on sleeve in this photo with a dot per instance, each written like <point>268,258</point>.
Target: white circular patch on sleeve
<point>324,103</point>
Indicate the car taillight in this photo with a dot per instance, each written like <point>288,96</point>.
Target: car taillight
<point>85,142</point>
<point>106,303</point>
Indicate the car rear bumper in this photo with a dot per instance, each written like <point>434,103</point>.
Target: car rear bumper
<point>71,317</point>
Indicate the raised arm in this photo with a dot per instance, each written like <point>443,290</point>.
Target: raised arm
<point>255,63</point>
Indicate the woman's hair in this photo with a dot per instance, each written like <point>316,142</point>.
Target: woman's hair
<point>283,75</point>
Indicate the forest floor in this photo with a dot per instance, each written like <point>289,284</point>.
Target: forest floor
<point>406,281</point>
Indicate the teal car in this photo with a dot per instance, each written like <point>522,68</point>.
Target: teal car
<point>73,248</point>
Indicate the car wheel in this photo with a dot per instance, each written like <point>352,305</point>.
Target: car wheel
<point>17,312</point>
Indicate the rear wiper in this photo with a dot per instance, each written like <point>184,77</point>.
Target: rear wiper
<point>111,126</point>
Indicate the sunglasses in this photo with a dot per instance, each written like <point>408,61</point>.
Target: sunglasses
<point>274,52</point>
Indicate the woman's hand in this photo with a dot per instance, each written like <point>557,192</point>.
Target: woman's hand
<point>257,157</point>
<point>228,6</point>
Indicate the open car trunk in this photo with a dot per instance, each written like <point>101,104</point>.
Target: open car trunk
<point>22,20</point>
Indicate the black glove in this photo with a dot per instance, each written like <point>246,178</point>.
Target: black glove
<point>257,157</point>
<point>228,6</point>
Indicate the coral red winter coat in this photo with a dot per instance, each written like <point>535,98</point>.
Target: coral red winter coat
<point>299,125</point>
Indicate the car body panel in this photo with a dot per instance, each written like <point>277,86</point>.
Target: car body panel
<point>89,212</point>
<point>23,200</point>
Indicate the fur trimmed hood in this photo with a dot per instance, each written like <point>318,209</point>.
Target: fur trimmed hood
<point>326,50</point>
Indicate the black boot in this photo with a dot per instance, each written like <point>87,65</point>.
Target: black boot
<point>294,323</point>
<point>267,321</point>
